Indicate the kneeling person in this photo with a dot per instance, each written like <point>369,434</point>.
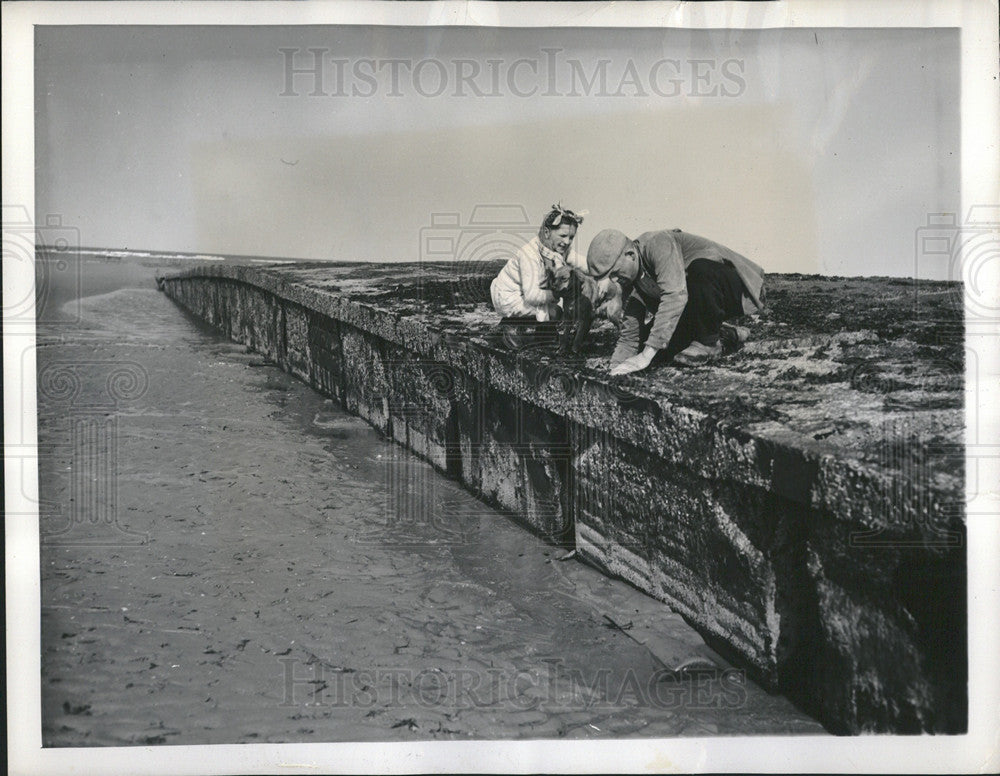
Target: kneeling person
<point>518,291</point>
<point>689,284</point>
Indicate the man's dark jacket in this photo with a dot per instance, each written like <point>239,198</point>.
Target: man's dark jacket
<point>661,283</point>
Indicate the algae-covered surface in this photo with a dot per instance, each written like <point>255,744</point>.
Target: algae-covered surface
<point>845,363</point>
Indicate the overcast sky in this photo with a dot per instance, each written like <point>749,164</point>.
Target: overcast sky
<point>807,151</point>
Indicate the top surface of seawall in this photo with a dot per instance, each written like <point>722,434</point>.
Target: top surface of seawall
<point>860,375</point>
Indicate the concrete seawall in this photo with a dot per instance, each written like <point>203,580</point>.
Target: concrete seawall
<point>800,502</point>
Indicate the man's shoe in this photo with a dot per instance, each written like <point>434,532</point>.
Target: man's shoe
<point>733,337</point>
<point>696,354</point>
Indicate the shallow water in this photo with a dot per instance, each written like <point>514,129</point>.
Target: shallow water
<point>229,557</point>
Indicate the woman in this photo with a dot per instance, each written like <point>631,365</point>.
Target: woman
<point>516,291</point>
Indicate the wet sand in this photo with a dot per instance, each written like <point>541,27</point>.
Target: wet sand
<point>273,570</point>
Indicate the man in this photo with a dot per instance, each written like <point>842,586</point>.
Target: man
<point>689,285</point>
<point>517,292</point>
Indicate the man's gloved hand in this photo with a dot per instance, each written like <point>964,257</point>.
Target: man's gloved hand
<point>637,363</point>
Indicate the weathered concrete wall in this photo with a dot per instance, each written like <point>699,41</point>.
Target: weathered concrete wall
<point>801,502</point>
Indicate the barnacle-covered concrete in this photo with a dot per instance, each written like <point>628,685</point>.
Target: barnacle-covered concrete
<point>800,501</point>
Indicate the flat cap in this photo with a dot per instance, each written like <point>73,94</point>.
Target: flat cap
<point>604,250</point>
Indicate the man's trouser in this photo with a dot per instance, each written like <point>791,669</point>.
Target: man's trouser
<point>715,293</point>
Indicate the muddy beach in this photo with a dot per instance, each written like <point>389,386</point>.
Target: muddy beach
<point>228,557</point>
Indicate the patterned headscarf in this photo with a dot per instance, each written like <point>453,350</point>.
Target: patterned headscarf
<point>564,213</point>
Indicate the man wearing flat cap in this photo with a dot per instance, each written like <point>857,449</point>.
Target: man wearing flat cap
<point>689,286</point>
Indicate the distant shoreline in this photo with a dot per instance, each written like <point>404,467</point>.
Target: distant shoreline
<point>119,254</point>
